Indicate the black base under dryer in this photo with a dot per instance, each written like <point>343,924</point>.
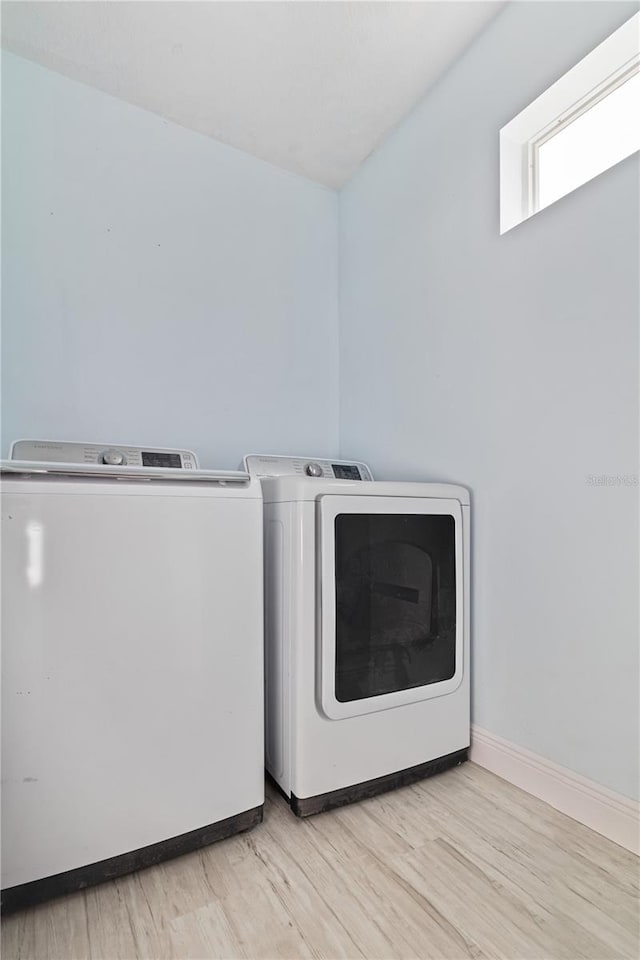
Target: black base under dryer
<point>307,806</point>
<point>36,891</point>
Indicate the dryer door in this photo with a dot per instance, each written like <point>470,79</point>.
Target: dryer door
<point>390,602</point>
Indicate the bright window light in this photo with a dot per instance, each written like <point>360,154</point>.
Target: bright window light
<point>581,126</point>
<point>600,137</point>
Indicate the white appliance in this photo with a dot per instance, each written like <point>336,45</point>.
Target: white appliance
<point>366,629</point>
<point>132,661</point>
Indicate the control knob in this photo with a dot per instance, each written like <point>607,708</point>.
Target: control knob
<point>313,470</point>
<point>115,458</point>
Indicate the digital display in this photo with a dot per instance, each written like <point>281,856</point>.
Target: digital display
<point>161,459</point>
<point>346,472</point>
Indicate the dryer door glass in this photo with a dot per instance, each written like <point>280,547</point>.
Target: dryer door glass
<point>395,602</point>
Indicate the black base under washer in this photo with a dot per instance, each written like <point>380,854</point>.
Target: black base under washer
<point>36,891</point>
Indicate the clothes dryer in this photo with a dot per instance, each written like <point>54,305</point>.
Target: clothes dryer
<point>366,629</point>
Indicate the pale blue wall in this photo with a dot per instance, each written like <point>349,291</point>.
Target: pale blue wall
<point>510,364</point>
<point>159,287</point>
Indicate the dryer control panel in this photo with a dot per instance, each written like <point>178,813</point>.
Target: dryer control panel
<point>115,455</point>
<point>262,465</point>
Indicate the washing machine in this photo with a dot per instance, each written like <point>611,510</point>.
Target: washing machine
<point>132,662</point>
<point>366,629</point>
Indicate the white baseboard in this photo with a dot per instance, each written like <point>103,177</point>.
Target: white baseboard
<point>611,814</point>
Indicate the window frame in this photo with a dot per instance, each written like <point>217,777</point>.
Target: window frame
<point>602,71</point>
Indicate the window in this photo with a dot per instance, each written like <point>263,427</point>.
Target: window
<point>582,125</point>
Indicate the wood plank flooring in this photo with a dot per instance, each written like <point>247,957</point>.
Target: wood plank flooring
<point>459,866</point>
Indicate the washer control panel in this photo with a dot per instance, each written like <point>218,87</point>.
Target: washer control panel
<point>115,455</point>
<point>261,465</point>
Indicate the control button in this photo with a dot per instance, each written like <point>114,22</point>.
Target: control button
<point>313,470</point>
<point>115,458</point>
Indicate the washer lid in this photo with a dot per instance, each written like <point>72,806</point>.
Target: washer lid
<point>103,471</point>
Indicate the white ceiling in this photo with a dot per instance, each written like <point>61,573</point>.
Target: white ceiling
<point>312,87</point>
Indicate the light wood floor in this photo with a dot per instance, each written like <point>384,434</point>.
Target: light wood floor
<point>461,865</point>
